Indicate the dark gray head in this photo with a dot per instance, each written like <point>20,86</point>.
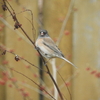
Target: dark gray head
<point>43,33</point>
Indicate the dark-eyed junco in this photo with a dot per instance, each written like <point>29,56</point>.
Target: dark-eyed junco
<point>48,48</point>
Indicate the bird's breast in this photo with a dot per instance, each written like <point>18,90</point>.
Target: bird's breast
<point>39,42</point>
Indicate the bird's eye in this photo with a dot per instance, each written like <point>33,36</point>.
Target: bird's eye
<point>41,33</point>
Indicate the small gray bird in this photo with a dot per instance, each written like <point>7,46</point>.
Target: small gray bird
<point>48,48</point>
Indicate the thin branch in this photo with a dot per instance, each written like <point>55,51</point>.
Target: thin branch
<point>48,71</point>
<point>33,82</point>
<point>70,78</point>
<point>18,32</point>
<point>65,22</point>
<point>9,5</point>
<point>10,75</point>
<point>33,88</point>
<point>22,59</point>
<point>33,28</point>
<point>65,84</point>
<point>18,25</point>
<point>61,34</point>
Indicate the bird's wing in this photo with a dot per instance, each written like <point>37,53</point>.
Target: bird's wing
<point>50,44</point>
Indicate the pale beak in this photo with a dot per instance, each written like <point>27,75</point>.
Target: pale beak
<point>42,33</point>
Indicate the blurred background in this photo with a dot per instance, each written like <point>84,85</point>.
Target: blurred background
<point>75,26</point>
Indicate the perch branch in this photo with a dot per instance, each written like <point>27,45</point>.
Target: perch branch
<point>18,25</point>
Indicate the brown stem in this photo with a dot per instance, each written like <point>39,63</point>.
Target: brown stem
<point>33,82</point>
<point>19,26</point>
<point>48,71</point>
<point>66,86</point>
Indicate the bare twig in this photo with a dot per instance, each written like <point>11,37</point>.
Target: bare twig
<point>70,78</point>
<point>22,59</point>
<point>18,25</point>
<point>65,22</point>
<point>33,28</point>
<point>66,86</point>
<point>10,76</point>
<point>33,88</point>
<point>48,71</point>
<point>16,31</point>
<point>62,32</point>
<point>33,82</point>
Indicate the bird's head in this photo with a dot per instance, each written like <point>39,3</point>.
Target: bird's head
<point>43,33</point>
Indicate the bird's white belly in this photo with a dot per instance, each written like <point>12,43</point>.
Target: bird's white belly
<point>46,51</point>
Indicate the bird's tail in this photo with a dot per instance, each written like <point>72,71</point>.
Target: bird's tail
<point>68,61</point>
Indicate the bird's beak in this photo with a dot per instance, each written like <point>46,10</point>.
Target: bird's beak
<point>42,33</point>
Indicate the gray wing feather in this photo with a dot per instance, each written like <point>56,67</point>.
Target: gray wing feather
<point>50,44</point>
